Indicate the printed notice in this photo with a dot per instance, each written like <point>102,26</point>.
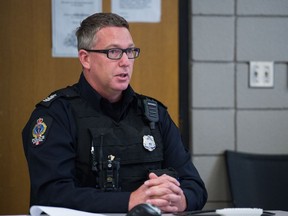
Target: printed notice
<point>66,17</point>
<point>138,10</point>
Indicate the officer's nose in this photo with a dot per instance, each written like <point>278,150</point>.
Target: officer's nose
<point>124,60</point>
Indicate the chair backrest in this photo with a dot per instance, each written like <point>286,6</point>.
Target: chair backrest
<point>258,181</point>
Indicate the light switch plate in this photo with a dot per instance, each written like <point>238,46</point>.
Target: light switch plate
<point>261,74</point>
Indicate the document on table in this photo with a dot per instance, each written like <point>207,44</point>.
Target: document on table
<point>58,211</point>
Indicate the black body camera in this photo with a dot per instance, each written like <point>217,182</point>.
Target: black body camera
<point>106,171</point>
<point>109,174</point>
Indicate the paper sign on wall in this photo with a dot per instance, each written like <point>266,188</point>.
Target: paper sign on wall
<point>66,17</point>
<point>138,10</point>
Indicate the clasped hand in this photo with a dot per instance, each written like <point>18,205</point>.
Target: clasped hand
<point>163,191</point>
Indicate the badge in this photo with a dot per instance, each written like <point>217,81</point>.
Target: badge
<point>38,132</point>
<point>148,142</point>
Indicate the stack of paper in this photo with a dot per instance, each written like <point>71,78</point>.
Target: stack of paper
<point>58,211</point>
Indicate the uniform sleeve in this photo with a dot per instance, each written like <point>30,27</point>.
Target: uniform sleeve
<point>50,152</point>
<point>177,157</point>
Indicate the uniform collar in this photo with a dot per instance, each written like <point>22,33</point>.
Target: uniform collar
<point>100,103</point>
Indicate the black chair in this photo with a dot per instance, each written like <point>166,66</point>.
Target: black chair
<point>258,181</point>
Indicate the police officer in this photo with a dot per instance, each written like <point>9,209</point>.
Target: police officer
<point>98,146</point>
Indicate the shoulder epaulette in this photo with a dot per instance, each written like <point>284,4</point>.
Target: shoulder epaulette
<point>68,92</point>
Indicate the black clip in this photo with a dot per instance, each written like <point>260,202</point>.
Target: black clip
<point>151,111</point>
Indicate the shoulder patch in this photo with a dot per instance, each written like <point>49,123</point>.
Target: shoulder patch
<point>40,129</point>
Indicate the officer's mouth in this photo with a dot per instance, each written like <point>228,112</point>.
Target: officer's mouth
<point>123,75</point>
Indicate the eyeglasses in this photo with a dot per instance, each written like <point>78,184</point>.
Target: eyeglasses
<point>117,53</point>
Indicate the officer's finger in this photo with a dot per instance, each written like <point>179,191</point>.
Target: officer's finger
<point>160,180</point>
<point>152,176</point>
<point>163,204</point>
<point>163,189</point>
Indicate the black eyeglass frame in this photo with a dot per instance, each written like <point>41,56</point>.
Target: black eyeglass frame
<point>106,51</point>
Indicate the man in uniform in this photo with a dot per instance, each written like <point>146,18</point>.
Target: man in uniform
<point>98,146</point>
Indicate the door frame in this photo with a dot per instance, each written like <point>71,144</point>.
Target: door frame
<point>184,47</point>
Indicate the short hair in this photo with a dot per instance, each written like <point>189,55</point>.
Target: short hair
<point>91,25</point>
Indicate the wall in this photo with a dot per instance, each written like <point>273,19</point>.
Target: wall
<point>29,73</point>
<point>225,113</point>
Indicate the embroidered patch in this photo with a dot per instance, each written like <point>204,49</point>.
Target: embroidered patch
<point>149,143</point>
<point>38,132</point>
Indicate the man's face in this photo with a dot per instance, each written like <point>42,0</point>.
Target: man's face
<point>109,77</point>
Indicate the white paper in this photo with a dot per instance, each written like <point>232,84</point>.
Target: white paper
<point>57,211</point>
<point>66,17</point>
<point>138,10</point>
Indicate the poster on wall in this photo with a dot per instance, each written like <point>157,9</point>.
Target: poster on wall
<point>138,10</point>
<point>66,17</point>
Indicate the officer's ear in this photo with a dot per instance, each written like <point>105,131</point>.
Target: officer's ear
<point>84,58</point>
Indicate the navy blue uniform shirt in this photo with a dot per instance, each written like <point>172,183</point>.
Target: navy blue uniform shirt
<point>51,156</point>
